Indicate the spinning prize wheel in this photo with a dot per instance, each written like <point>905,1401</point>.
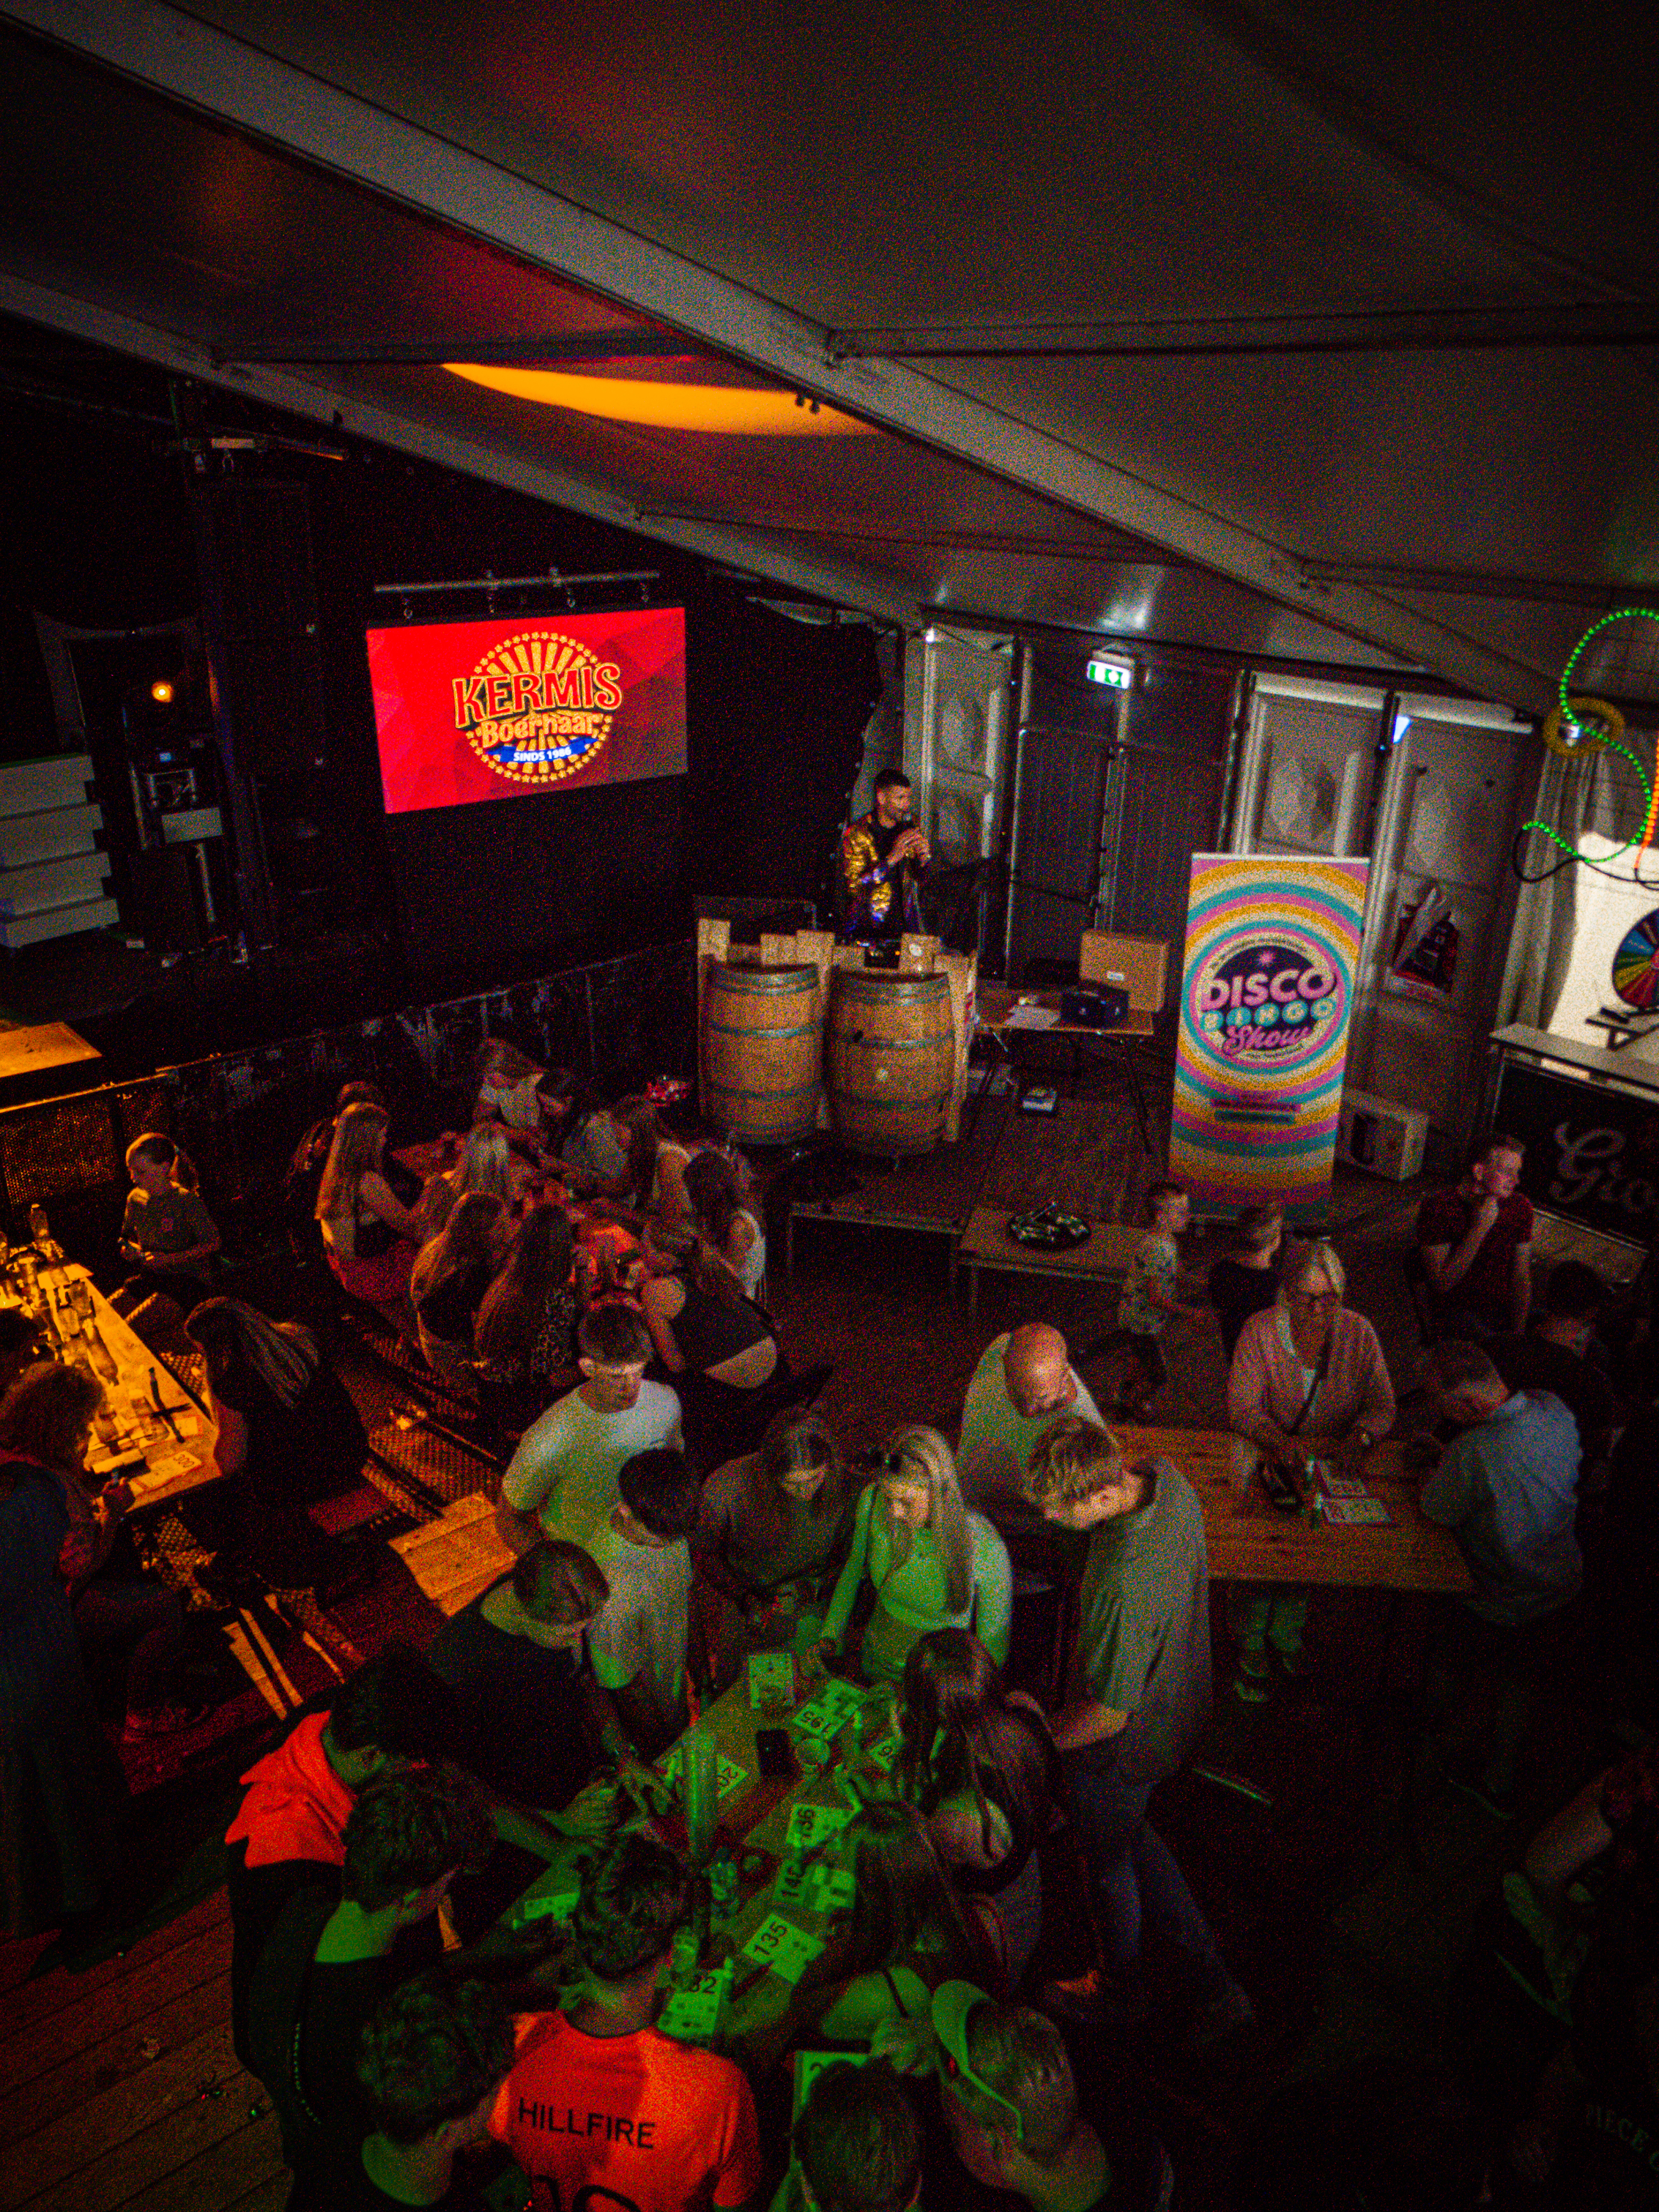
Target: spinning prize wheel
<point>1636,966</point>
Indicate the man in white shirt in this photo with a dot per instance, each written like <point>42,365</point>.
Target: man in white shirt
<point>561,1482</point>
<point>1024,1383</point>
<point>636,1641</point>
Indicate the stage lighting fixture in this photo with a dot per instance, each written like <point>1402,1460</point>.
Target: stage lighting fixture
<point>161,691</point>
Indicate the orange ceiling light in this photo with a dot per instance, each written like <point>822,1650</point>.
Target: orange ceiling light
<point>727,410</point>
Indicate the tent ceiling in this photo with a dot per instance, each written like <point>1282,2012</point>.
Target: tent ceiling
<point>1164,318</point>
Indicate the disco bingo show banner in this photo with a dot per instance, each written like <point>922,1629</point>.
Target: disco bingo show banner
<point>498,710</point>
<point>1266,997</point>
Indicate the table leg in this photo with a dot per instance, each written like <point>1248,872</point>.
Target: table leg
<point>999,1045</point>
<point>1138,1092</point>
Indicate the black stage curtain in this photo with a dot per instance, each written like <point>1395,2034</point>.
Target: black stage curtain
<point>779,712</point>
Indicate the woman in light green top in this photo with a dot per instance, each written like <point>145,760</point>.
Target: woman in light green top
<point>933,1564</point>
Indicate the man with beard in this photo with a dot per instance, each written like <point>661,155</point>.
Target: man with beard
<point>883,857</point>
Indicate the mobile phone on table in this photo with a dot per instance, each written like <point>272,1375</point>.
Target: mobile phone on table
<point>777,1761</point>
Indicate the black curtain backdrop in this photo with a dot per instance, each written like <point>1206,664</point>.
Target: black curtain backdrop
<point>776,712</point>
<point>780,709</point>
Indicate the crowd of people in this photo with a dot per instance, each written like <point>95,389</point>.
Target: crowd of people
<point>554,1208</point>
<point>674,1506</point>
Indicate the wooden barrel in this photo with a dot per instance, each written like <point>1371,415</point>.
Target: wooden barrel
<point>890,1055</point>
<point>762,1056</point>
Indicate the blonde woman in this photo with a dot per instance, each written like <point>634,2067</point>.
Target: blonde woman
<point>450,1278</point>
<point>371,1240</point>
<point>1308,1381</point>
<point>933,1564</point>
<point>486,1165</point>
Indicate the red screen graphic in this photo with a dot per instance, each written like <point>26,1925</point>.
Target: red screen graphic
<point>519,704</point>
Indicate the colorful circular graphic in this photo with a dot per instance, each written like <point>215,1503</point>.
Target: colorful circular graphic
<point>538,706</point>
<point>1265,999</point>
<point>1636,965</point>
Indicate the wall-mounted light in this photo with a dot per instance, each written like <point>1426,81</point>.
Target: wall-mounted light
<point>728,410</point>
<point>161,691</point>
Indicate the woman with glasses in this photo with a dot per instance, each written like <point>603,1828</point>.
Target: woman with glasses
<point>932,1563</point>
<point>1308,1381</point>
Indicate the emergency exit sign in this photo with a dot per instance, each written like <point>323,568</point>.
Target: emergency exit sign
<point>1120,674</point>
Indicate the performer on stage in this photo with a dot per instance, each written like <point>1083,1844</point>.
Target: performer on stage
<point>883,857</point>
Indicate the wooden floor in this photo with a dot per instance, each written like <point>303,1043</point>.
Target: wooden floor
<point>119,2087</point>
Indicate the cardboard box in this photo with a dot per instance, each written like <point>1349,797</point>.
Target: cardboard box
<point>1383,1139</point>
<point>1139,965</point>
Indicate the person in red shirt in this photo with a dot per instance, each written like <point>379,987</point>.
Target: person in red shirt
<point>291,1822</point>
<point>598,2100</point>
<point>1475,1241</point>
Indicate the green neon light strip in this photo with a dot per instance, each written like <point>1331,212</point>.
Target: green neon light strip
<point>1568,723</point>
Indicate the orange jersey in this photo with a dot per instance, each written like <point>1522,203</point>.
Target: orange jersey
<point>296,1807</point>
<point>654,2124</point>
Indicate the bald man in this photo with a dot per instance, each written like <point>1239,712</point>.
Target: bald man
<point>1024,1381</point>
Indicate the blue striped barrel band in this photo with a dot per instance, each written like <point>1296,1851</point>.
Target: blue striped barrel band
<point>889,1104</point>
<point>891,1044</point>
<point>760,1037</point>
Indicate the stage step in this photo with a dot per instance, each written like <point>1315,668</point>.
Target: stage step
<point>19,930</point>
<point>31,787</point>
<point>43,886</point>
<point>26,838</point>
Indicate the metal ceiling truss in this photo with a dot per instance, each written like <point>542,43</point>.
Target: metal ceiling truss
<point>1388,330</point>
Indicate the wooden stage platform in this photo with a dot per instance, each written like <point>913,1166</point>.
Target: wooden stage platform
<point>931,1195</point>
<point>1086,1158</point>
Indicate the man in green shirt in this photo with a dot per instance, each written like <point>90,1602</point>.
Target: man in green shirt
<point>1144,1653</point>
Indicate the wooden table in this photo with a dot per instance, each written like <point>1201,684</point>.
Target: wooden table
<point>177,1451</point>
<point>1250,1541</point>
<point>986,1243</point>
<point>758,1821</point>
<point>456,1558</point>
<point>31,1061</point>
<point>1080,1158</point>
<point>997,1008</point>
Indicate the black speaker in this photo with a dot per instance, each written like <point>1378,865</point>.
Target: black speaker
<point>1095,1006</point>
<point>164,899</point>
<point>272,653</point>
